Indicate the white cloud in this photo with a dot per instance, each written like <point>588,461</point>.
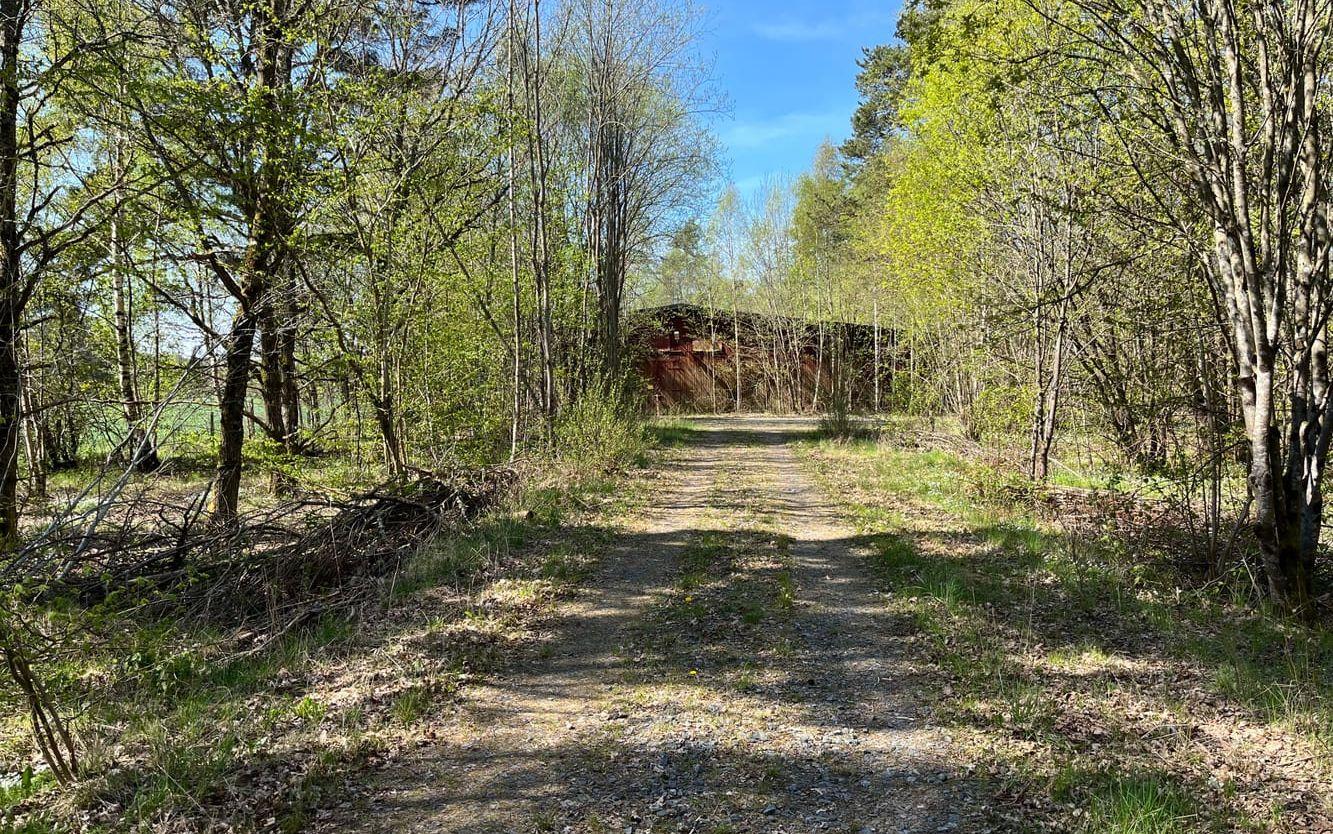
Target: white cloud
<point>758,133</point>
<point>790,30</point>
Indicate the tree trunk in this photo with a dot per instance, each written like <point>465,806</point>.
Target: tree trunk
<point>736,348</point>
<point>819,369</point>
<point>516,415</point>
<point>274,390</point>
<point>876,337</point>
<point>541,251</point>
<point>140,453</point>
<point>268,222</point>
<point>270,376</point>
<point>11,279</point>
<point>235,388</point>
<point>386,420</point>
<point>1049,408</point>
<point>291,390</point>
<point>35,442</point>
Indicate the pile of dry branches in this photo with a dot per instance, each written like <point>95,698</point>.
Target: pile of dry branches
<point>270,570</point>
<point>173,554</point>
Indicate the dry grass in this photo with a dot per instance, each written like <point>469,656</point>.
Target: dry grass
<point>1099,690</point>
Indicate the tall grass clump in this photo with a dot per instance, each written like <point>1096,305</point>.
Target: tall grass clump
<point>837,422</point>
<point>601,431</point>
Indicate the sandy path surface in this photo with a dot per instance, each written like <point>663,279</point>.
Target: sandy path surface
<point>730,667</point>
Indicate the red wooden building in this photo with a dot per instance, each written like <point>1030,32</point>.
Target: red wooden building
<point>688,355</point>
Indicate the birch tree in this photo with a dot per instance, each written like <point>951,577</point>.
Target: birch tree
<point>1224,105</point>
<point>47,50</point>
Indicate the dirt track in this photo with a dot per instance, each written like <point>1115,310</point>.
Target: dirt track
<point>730,667</point>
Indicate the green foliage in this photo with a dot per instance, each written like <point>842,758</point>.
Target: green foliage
<point>27,784</point>
<point>1135,804</point>
<point>671,432</point>
<point>601,432</point>
<point>410,705</point>
<point>882,75</point>
<point>685,271</point>
<point>837,422</point>
<point>999,411</point>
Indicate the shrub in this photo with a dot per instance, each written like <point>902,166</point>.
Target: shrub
<point>998,410</point>
<point>601,431</point>
<point>837,421</point>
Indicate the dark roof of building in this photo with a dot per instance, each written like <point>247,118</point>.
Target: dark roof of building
<point>654,318</point>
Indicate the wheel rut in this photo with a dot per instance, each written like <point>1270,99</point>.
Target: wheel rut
<point>730,667</point>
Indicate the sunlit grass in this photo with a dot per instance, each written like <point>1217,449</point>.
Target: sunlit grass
<point>1016,610</point>
<point>1143,805</point>
<point>184,708</point>
<point>672,431</point>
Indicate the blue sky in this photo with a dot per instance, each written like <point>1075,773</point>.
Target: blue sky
<point>788,68</point>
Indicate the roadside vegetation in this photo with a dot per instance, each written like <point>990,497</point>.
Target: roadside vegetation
<point>1099,678</point>
<point>182,723</point>
<point>311,376</point>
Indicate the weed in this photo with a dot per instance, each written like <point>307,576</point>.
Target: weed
<point>837,422</point>
<point>786,591</point>
<point>411,704</point>
<point>544,820</point>
<point>669,433</point>
<point>24,786</point>
<point>746,680</point>
<point>309,710</point>
<point>1148,804</point>
<point>563,565</point>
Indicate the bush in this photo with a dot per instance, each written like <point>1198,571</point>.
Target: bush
<point>998,410</point>
<point>837,422</point>
<point>601,431</point>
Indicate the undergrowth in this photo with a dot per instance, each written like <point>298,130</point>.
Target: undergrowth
<point>1076,665</point>
<point>180,720</point>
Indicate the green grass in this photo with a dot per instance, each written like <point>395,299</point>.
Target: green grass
<point>1283,673</point>
<point>27,784</point>
<point>1145,803</point>
<point>566,565</point>
<point>702,557</point>
<point>181,709</point>
<point>670,432</point>
<point>1016,612</point>
<point>412,704</point>
<point>731,603</point>
<point>454,559</point>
